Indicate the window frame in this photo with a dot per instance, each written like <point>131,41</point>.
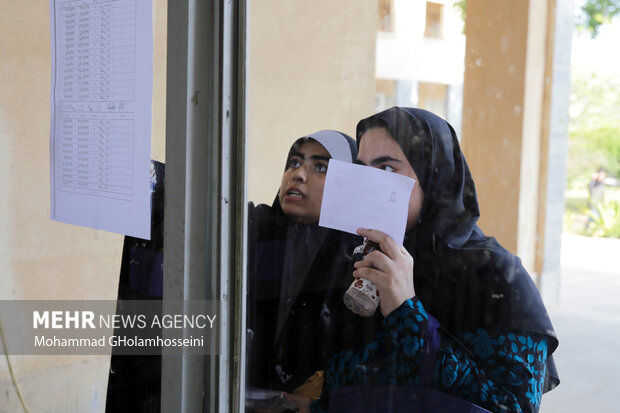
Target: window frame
<point>427,28</point>
<point>204,258</point>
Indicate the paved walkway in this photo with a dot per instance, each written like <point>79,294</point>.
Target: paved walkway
<point>587,321</point>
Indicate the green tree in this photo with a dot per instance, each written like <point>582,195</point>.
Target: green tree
<point>594,132</point>
<point>595,13</point>
<point>461,7</point>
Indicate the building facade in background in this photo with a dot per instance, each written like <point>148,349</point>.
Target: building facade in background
<point>420,55</point>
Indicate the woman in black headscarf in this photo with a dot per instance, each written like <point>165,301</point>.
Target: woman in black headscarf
<point>297,271</point>
<point>465,325</point>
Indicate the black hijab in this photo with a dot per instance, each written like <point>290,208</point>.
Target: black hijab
<point>464,278</point>
<point>303,241</point>
<point>295,273</point>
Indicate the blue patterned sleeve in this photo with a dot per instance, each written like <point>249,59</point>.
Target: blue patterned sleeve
<point>502,373</point>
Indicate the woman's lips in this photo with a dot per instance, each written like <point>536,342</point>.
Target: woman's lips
<point>294,195</point>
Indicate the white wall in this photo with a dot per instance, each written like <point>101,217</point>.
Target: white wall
<point>407,54</point>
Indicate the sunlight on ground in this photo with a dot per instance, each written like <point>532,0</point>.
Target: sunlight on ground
<point>587,322</point>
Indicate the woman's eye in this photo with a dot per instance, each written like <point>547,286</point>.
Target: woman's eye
<point>294,163</point>
<point>387,168</point>
<point>321,167</point>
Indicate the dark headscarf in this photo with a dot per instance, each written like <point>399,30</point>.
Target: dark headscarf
<point>296,271</point>
<point>303,241</point>
<point>464,278</point>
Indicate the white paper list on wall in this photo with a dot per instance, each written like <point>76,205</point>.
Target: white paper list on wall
<point>100,138</point>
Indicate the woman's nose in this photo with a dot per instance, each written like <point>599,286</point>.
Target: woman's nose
<point>300,175</point>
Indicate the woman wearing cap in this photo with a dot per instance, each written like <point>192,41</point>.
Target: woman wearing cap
<point>462,326</point>
<point>296,270</point>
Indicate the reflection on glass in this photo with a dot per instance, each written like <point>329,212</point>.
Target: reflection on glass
<point>384,15</point>
<point>462,337</point>
<point>471,332</point>
<point>421,62</point>
<point>434,98</point>
<point>297,271</point>
<point>434,20</point>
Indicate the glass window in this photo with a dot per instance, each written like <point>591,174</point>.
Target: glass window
<point>384,16</point>
<point>433,97</point>
<point>314,334</point>
<point>49,263</point>
<point>386,94</point>
<point>335,319</point>
<point>434,20</point>
<point>300,83</point>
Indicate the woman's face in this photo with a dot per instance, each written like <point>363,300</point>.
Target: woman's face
<point>301,190</point>
<point>380,150</point>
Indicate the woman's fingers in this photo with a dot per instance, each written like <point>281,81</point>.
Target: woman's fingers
<point>371,274</point>
<point>375,259</point>
<point>387,244</point>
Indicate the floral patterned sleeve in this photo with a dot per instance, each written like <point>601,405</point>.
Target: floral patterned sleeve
<point>502,373</point>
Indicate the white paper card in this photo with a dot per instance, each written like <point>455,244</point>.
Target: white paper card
<point>100,138</point>
<point>357,196</point>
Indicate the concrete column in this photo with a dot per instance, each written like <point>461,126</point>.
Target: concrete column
<point>506,119</point>
<point>555,157</point>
